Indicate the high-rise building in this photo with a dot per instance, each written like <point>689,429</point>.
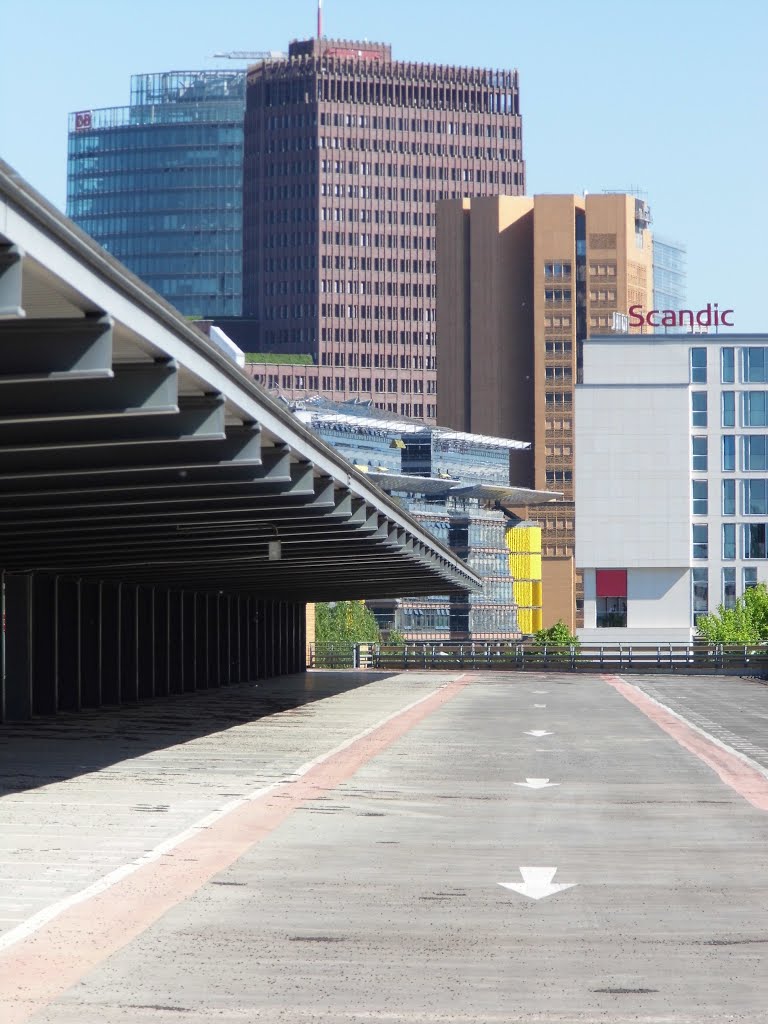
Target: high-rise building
<point>159,184</point>
<point>669,278</point>
<point>521,282</point>
<point>347,153</point>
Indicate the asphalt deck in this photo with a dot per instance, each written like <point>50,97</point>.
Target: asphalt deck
<point>330,848</point>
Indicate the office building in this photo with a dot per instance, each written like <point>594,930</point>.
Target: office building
<point>455,485</point>
<point>347,152</point>
<point>521,282</point>
<point>670,277</point>
<point>159,185</point>
<point>672,480</point>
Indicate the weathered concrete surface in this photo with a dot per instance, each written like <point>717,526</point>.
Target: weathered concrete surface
<point>379,901</point>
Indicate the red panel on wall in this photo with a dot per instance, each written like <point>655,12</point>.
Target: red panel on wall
<point>611,582</point>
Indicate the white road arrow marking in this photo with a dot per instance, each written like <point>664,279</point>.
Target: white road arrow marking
<point>539,732</point>
<point>537,883</point>
<point>537,783</point>
<point>539,705</point>
<point>539,691</point>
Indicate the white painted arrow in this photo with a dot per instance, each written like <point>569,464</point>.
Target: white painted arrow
<point>539,691</point>
<point>537,783</point>
<point>539,732</point>
<point>537,883</point>
<point>539,705</point>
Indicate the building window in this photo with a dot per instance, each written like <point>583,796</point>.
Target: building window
<point>749,576</point>
<point>700,540</point>
<point>699,463</point>
<point>755,411</point>
<point>700,495</point>
<point>698,366</point>
<point>729,587</point>
<point>699,593</point>
<point>755,497</point>
<point>754,540</point>
<point>755,453</point>
<point>727,365</point>
<point>729,497</point>
<point>699,408</point>
<point>729,540</point>
<point>755,365</point>
<point>611,612</point>
<point>729,453</point>
<point>611,597</point>
<point>728,410</point>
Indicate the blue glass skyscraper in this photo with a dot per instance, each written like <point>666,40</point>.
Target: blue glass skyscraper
<point>669,278</point>
<point>160,185</point>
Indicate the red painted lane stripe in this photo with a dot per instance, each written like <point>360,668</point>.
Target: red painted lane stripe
<point>42,967</point>
<point>734,772</point>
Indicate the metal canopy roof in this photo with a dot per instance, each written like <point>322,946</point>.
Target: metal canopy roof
<point>447,488</point>
<point>132,450</point>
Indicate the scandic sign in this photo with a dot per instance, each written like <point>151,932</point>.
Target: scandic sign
<point>710,316</point>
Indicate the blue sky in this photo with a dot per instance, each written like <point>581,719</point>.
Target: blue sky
<point>669,96</point>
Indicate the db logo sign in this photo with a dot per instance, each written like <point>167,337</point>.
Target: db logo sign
<point>83,119</point>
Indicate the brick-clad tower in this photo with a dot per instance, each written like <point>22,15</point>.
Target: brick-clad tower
<point>346,154</point>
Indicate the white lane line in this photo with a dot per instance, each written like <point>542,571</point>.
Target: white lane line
<point>37,921</point>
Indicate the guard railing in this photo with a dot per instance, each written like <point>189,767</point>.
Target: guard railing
<point>749,659</point>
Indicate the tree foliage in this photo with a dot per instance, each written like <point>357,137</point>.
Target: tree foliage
<point>556,636</point>
<point>345,622</point>
<point>395,638</point>
<point>745,623</point>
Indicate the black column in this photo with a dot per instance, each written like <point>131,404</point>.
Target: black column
<point>68,644</point>
<point>90,644</point>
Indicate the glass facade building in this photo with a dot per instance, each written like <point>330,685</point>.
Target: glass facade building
<point>669,278</point>
<point>451,483</point>
<point>159,184</point>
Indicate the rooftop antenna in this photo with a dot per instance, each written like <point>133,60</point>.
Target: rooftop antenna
<point>319,20</point>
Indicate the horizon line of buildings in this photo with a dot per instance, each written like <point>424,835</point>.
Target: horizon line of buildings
<point>360,228</point>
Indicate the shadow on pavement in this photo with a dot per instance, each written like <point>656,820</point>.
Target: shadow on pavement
<point>46,750</point>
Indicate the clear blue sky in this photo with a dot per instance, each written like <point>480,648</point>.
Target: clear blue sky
<point>670,96</point>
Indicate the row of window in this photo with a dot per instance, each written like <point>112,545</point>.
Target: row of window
<point>754,497</point>
<point>700,588</point>
<point>406,289</point>
<point>368,337</point>
<point>363,240</point>
<point>404,124</point>
<point>378,360</point>
<point>754,540</point>
<point>340,310</point>
<point>379,264</point>
<point>357,215</point>
<point>753,448</point>
<point>753,365</point>
<point>753,407</point>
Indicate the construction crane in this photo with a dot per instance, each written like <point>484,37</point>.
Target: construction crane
<point>251,55</point>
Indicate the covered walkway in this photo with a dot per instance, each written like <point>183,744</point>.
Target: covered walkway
<point>163,521</point>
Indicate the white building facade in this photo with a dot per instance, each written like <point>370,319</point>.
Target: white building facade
<point>671,481</point>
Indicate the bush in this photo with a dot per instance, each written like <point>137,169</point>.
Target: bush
<point>556,636</point>
<point>345,622</point>
<point>745,623</point>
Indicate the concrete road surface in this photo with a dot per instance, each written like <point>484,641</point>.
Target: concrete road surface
<point>422,848</point>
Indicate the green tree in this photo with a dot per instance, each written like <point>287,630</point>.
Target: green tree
<point>395,638</point>
<point>345,622</point>
<point>745,623</point>
<point>556,636</point>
